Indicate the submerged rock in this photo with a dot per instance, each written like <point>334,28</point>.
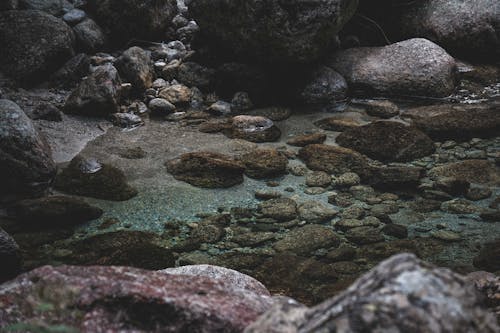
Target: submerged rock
<point>388,141</point>
<point>26,164</point>
<point>414,67</point>
<point>281,209</point>
<point>271,31</point>
<point>23,56</point>
<point>10,257</point>
<point>473,171</point>
<point>306,139</point>
<point>96,298</point>
<point>487,258</point>
<point>315,212</point>
<point>254,129</point>
<point>264,163</point>
<point>400,294</point>
<point>108,182</point>
<point>206,169</point>
<point>97,95</point>
<point>307,239</point>
<point>331,159</point>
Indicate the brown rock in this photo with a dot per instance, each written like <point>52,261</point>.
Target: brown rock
<point>331,159</point>
<point>307,139</point>
<point>264,163</point>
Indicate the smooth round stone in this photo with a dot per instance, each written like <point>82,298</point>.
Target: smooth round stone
<point>446,235</point>
<point>74,16</point>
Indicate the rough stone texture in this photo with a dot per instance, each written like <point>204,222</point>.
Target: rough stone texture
<point>315,212</point>
<point>53,211</point>
<point>465,28</point>
<point>90,36</point>
<point>96,95</point>
<point>95,299</point>
<point>26,164</point>
<point>402,294</point>
<point>206,169</point>
<point>473,171</point>
<point>337,124</point>
<point>281,209</point>
<point>254,129</point>
<point>135,66</point>
<point>307,239</point>
<point>264,163</point>
<point>52,7</point>
<point>487,258</point>
<point>307,139</point>
<point>456,122</point>
<point>488,285</point>
<point>387,141</point>
<point>414,67</point>
<point>400,177</point>
<point>107,183</point>
<point>34,44</point>
<point>228,276</point>
<point>326,86</point>
<point>10,257</point>
<point>271,31</point>
<point>331,159</point>
<point>124,20</point>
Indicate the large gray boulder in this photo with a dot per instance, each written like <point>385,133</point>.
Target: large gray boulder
<point>34,44</point>
<point>26,164</point>
<point>271,31</point>
<point>415,67</point>
<point>464,28</point>
<point>402,294</point>
<point>123,20</point>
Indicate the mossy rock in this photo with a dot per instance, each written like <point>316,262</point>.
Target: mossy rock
<point>108,183</point>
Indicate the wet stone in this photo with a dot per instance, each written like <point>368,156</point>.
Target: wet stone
<point>307,139</point>
<point>315,212</point>
<point>307,239</point>
<point>318,179</point>
<point>282,209</point>
<point>364,235</point>
<point>446,235</point>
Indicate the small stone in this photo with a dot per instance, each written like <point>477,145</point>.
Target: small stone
<point>381,108</point>
<point>315,212</point>
<point>318,179</point>
<point>160,106</point>
<point>241,102</point>
<point>347,179</point>
<point>478,193</point>
<point>220,108</point>
<point>364,235</point>
<point>337,124</point>
<point>307,239</point>
<point>266,195</point>
<point>395,230</point>
<point>459,206</point>
<point>307,139</point>
<point>446,235</point>
<point>281,209</point>
<point>176,94</point>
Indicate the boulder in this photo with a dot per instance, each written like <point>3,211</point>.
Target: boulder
<point>90,36</point>
<point>87,177</point>
<point>271,31</point>
<point>264,163</point>
<point>388,141</point>
<point>325,87</point>
<point>473,171</point>
<point>53,211</point>
<point>206,169</point>
<point>464,28</point>
<point>97,298</point>
<point>334,160</point>
<point>97,95</point>
<point>124,20</point>
<point>26,164</point>
<point>136,66</point>
<point>23,56</point>
<point>10,257</point>
<point>456,121</point>
<point>254,129</point>
<point>401,294</point>
<point>414,67</point>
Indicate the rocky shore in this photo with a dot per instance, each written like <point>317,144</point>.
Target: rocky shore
<point>249,166</point>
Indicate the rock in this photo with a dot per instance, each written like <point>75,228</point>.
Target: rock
<point>26,164</point>
<point>337,124</point>
<point>227,276</point>
<point>89,35</point>
<point>241,102</point>
<point>488,285</point>
<point>456,122</point>
<point>446,235</point>
<point>364,235</point>
<point>281,209</point>
<point>93,295</point>
<point>387,141</point>
<point>10,257</point>
<point>72,71</point>
<point>451,185</point>
<point>490,215</point>
<point>101,181</point>
<point>53,211</point>
<point>307,139</point>
<point>478,193</point>
<point>9,5</point>
<point>442,22</point>
<point>348,223</point>
<point>264,163</point>
<point>47,111</point>
<point>347,179</point>
<point>284,316</point>
<point>315,212</point>
<point>402,293</point>
<point>331,159</point>
<point>394,177</point>
<point>133,19</point>
<point>160,106</point>
<point>274,113</point>
<point>126,120</point>
<point>52,7</point>
<point>220,108</point>
<point>23,56</point>
<point>318,179</point>
<point>395,230</point>
<point>135,66</point>
<point>267,195</point>
<point>343,253</point>
<point>325,87</point>
<point>194,75</point>
<point>487,259</point>
<point>177,94</point>
<point>74,16</point>
<point>380,108</point>
<point>414,67</point>
<point>305,240</point>
<point>205,169</point>
<point>473,171</point>
<point>254,129</point>
<point>459,206</point>
<point>97,95</point>
<point>271,32</point>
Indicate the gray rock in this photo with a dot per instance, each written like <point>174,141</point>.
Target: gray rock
<point>97,95</point>
<point>325,87</point>
<point>136,66</point>
<point>307,239</point>
<point>465,28</point>
<point>26,164</point>
<point>10,257</point>
<point>9,4</point>
<point>89,35</point>
<point>160,106</point>
<point>74,16</point>
<point>194,75</point>
<point>281,209</point>
<point>271,31</point>
<point>315,212</point>
<point>72,71</point>
<point>415,67</point>
<point>22,55</point>
<point>52,7</point>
